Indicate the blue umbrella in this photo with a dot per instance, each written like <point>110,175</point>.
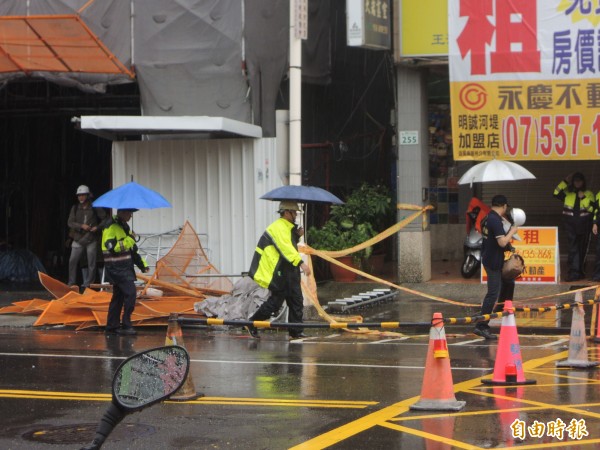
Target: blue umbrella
<point>302,194</point>
<point>131,196</point>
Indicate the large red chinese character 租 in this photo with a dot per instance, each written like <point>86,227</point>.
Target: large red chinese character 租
<point>477,33</point>
<point>516,37</point>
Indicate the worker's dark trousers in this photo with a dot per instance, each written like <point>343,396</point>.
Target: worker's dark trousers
<point>497,289</point>
<point>596,275</point>
<point>291,294</point>
<point>123,299</point>
<point>578,232</point>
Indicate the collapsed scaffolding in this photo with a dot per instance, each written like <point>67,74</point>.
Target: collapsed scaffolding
<point>184,277</point>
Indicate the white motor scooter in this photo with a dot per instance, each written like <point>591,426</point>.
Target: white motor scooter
<point>474,239</point>
<point>472,247</point>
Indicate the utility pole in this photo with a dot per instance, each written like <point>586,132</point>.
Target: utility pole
<point>298,32</point>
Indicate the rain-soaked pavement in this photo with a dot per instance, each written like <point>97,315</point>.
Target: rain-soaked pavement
<point>334,390</point>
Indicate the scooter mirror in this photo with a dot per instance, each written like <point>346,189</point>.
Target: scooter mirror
<point>149,377</point>
<point>140,381</point>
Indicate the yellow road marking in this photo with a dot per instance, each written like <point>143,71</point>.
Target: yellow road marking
<point>275,403</point>
<point>389,413</point>
<point>543,405</point>
<point>568,377</point>
<point>46,395</point>
<point>433,437</point>
<point>568,444</point>
<point>52,393</point>
<point>484,412</point>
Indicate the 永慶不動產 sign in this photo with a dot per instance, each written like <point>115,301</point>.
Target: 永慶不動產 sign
<point>524,79</point>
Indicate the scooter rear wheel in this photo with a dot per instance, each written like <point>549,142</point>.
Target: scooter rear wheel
<point>469,267</point>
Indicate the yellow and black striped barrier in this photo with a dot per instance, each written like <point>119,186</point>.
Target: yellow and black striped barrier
<point>383,325</point>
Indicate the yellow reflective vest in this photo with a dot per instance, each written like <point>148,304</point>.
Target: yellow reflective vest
<point>119,249</point>
<point>276,247</point>
<point>597,209</point>
<point>569,197</point>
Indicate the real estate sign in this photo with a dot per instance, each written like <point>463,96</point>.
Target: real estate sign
<point>539,248</point>
<point>524,79</point>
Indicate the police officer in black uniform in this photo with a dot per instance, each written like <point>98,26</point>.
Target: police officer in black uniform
<point>578,207</point>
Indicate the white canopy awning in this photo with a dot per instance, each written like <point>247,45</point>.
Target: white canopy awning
<point>118,128</point>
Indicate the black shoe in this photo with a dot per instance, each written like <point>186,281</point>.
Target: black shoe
<point>298,335</point>
<point>110,331</point>
<point>126,332</point>
<point>571,278</point>
<point>253,332</point>
<point>485,333</point>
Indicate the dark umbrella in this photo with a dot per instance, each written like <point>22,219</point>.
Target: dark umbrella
<point>131,196</point>
<point>302,194</point>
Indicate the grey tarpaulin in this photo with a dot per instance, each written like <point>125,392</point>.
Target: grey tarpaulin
<point>188,58</point>
<point>245,298</point>
<point>266,56</point>
<point>188,55</point>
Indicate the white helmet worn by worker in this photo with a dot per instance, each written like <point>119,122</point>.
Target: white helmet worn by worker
<point>83,189</point>
<point>287,205</point>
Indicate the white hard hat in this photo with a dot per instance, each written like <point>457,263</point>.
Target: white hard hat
<point>83,189</point>
<point>518,216</point>
<point>288,205</point>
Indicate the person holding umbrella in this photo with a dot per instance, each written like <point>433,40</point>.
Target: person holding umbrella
<point>276,266</point>
<point>120,254</point>
<point>495,242</point>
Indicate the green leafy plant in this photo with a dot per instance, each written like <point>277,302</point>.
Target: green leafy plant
<point>359,219</point>
<point>366,204</point>
<point>335,236</point>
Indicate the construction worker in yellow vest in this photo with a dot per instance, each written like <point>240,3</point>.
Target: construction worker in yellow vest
<point>276,266</point>
<point>596,274</point>
<point>578,209</point>
<point>120,253</point>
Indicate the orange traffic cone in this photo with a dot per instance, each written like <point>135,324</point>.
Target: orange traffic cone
<point>187,391</point>
<point>578,354</point>
<point>437,393</point>
<point>508,356</point>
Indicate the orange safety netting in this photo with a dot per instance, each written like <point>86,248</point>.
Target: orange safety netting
<point>186,268</point>
<point>57,43</point>
<point>185,275</point>
<point>176,275</point>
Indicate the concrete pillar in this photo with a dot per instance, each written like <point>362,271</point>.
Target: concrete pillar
<point>414,243</point>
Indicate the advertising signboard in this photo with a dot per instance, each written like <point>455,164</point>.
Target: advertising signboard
<point>423,33</point>
<point>524,79</point>
<point>539,248</point>
<point>368,24</point>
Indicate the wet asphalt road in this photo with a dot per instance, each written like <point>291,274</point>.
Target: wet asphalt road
<point>335,390</point>
<point>332,390</point>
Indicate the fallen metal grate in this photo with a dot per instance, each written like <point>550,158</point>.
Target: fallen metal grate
<point>361,301</point>
<point>84,433</point>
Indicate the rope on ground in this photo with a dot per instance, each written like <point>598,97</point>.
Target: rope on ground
<point>309,287</point>
<point>560,294</point>
<point>557,307</point>
<point>331,255</point>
